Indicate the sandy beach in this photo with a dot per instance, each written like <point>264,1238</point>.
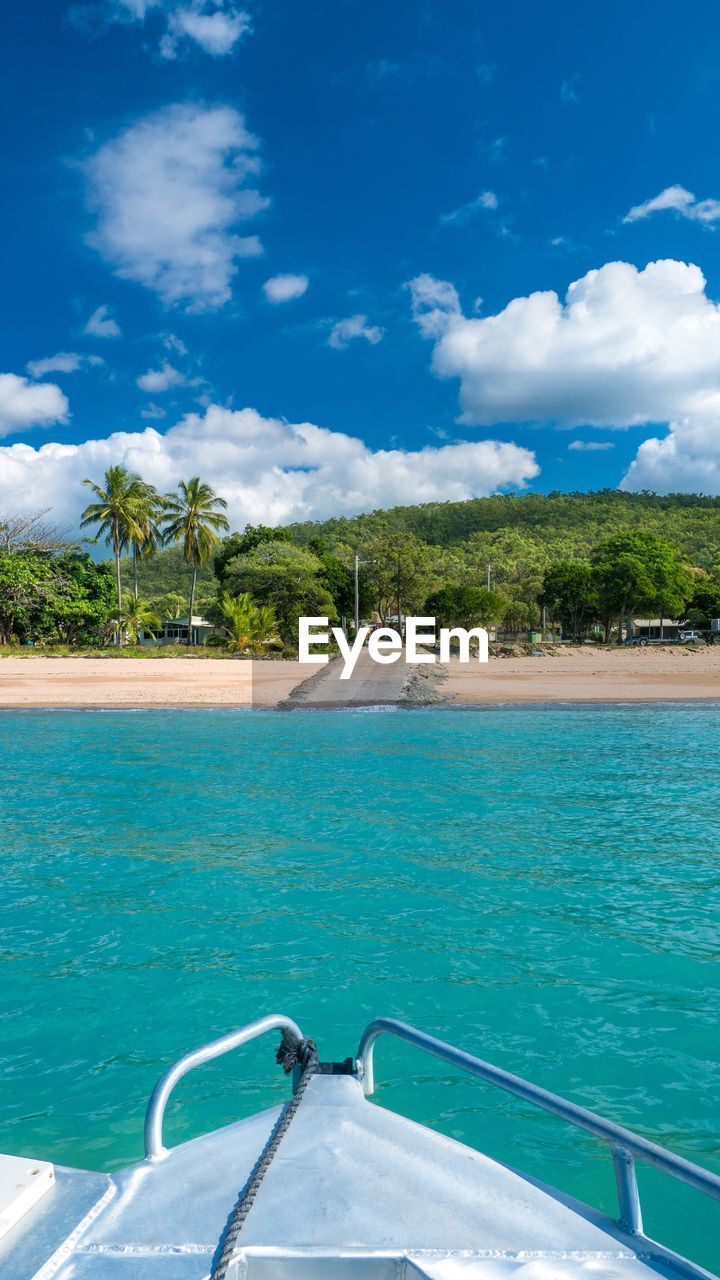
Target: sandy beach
<point>126,682</point>
<point>590,675</point>
<point>565,675</point>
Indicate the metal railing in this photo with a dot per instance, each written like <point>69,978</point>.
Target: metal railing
<point>154,1148</point>
<point>627,1147</point>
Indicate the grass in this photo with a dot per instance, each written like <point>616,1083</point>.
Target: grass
<point>139,653</point>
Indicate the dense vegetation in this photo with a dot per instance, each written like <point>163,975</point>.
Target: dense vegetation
<point>590,560</point>
<point>566,522</point>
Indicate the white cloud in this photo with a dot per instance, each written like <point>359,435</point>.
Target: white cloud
<point>625,347</point>
<point>62,362</point>
<point>676,200</point>
<point>285,288</point>
<point>590,446</point>
<point>345,331</point>
<point>268,470</point>
<point>215,30</point>
<point>569,89</point>
<point>686,460</point>
<point>172,343</point>
<point>156,380</point>
<point>435,305</point>
<point>169,192</point>
<point>459,217</point>
<point>25,404</point>
<point>215,26</point>
<point>153,412</point>
<point>102,325</point>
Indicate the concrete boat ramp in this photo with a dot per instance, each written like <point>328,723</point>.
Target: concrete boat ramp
<point>370,685</point>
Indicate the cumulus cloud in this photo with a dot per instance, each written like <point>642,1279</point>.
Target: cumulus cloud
<point>624,347</point>
<point>169,192</point>
<point>466,212</point>
<point>679,201</point>
<point>268,470</point>
<point>215,26</point>
<point>162,379</point>
<point>62,362</point>
<point>345,331</point>
<point>102,325</point>
<point>285,288</point>
<point>25,404</point>
<point>686,460</point>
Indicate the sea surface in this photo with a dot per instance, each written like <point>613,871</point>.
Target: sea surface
<point>539,885</point>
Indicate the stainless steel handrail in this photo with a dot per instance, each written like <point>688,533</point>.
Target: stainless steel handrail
<point>154,1149</point>
<point>627,1147</point>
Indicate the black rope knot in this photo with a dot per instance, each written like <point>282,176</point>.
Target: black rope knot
<point>295,1052</point>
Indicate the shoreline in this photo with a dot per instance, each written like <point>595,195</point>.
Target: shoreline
<point>582,676</point>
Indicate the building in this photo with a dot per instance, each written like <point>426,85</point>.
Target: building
<point>652,628</point>
<point>175,631</point>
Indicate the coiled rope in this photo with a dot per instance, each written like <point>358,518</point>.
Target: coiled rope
<point>291,1053</point>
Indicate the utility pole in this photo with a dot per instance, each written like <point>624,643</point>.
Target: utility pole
<point>489,579</point>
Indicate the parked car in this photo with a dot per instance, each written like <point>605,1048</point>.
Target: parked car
<point>691,637</point>
<point>645,640</point>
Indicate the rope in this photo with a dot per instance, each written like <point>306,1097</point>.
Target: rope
<point>291,1053</point>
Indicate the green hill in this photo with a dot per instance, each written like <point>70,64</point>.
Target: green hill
<point>167,574</point>
<point>578,519</point>
<point>517,535</point>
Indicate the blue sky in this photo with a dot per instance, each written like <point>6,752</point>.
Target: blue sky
<point>413,169</point>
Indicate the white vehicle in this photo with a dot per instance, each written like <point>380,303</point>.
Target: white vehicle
<point>333,1187</point>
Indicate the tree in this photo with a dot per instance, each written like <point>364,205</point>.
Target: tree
<point>138,615</point>
<point>145,536</point>
<point>340,579</point>
<point>465,606</point>
<point>115,514</point>
<point>704,603</point>
<point>399,571</point>
<point>241,544</point>
<point>193,516</point>
<point>25,585</point>
<point>169,605</point>
<point>31,532</point>
<point>635,572</point>
<point>520,615</point>
<point>67,598</point>
<point>569,593</point>
<point>246,624</point>
<point>287,578</point>
<point>80,607</point>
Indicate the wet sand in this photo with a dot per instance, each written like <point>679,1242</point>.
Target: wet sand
<point>567,675</point>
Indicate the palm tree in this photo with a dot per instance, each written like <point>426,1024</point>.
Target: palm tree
<point>138,615</point>
<point>148,507</point>
<point>114,512</point>
<point>193,516</point>
<point>247,624</point>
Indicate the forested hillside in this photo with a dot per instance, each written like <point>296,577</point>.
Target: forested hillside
<point>574,522</point>
<point>516,535</point>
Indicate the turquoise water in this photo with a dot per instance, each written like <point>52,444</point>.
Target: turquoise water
<point>539,885</point>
